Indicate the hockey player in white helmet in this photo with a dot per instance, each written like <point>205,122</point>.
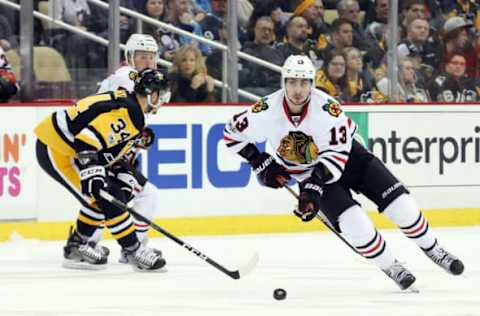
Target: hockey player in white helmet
<point>140,53</point>
<point>315,145</point>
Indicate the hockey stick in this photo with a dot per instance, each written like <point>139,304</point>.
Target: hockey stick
<point>236,274</point>
<point>326,223</point>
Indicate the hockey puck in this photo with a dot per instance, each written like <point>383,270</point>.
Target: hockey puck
<point>279,294</point>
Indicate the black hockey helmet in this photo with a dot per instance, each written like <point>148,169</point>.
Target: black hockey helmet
<point>149,81</point>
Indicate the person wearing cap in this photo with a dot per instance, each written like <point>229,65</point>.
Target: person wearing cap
<point>468,9</point>
<point>313,11</point>
<point>456,39</point>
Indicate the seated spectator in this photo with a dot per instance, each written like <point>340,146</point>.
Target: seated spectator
<point>255,78</point>
<point>378,15</point>
<point>350,10</point>
<point>456,40</point>
<point>8,82</point>
<point>359,81</point>
<point>180,14</point>
<point>189,79</point>
<point>313,12</point>
<point>269,8</point>
<point>468,9</point>
<point>411,10</point>
<point>332,77</point>
<point>297,42</point>
<point>454,85</point>
<point>5,33</point>
<point>409,90</point>
<point>376,34</point>
<point>167,41</point>
<point>417,46</point>
<point>341,36</point>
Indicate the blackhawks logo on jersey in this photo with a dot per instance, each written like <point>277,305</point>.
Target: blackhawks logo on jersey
<point>133,75</point>
<point>298,148</point>
<point>260,106</point>
<point>333,108</point>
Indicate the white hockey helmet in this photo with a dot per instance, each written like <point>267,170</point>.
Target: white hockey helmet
<point>139,42</point>
<point>298,66</point>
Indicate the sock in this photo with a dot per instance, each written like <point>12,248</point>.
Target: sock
<point>358,229</point>
<point>405,212</point>
<point>89,219</point>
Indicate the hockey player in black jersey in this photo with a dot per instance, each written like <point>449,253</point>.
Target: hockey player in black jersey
<point>77,146</point>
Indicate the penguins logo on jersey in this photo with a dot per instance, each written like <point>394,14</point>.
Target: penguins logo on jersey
<point>333,108</point>
<point>298,148</point>
<point>260,106</point>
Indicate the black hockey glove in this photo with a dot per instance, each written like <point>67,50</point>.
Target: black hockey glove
<point>92,175</point>
<point>271,173</point>
<point>309,200</point>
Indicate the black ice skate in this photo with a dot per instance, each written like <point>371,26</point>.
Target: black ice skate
<point>144,258</point>
<point>79,254</point>
<point>400,275</point>
<point>444,259</point>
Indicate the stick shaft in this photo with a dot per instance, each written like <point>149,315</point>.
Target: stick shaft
<point>325,222</point>
<point>233,274</point>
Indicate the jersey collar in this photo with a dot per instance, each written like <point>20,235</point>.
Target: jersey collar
<point>295,123</point>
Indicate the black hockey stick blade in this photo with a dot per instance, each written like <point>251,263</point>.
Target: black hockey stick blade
<point>236,274</point>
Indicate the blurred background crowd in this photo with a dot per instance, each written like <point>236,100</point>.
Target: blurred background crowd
<point>438,47</point>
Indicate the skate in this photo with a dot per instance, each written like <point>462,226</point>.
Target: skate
<point>400,275</point>
<point>444,259</point>
<point>79,254</point>
<point>104,250</point>
<point>144,258</point>
<point>123,256</point>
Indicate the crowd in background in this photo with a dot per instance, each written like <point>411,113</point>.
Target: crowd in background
<point>438,48</point>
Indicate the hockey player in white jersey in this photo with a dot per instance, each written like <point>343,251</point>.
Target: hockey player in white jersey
<point>140,53</point>
<point>314,145</point>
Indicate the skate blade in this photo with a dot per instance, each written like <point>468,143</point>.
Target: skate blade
<point>77,265</point>
<point>160,270</point>
<point>412,289</point>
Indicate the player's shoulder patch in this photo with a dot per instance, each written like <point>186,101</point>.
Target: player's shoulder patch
<point>260,105</point>
<point>333,108</point>
<point>132,75</point>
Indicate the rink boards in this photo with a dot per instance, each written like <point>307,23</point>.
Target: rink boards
<point>205,190</point>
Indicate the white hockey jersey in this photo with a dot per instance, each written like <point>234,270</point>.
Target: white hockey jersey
<point>321,134</point>
<point>123,78</point>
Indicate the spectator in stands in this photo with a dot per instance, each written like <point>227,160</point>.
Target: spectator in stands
<point>350,10</point>
<point>189,78</point>
<point>417,46</point>
<point>180,14</point>
<point>8,82</point>
<point>468,9</point>
<point>313,11</point>
<point>332,77</point>
<point>455,39</point>
<point>167,41</point>
<point>379,15</point>
<point>98,21</point>
<point>255,78</point>
<point>269,8</point>
<point>297,42</point>
<point>341,36</point>
<point>454,85</point>
<point>409,90</point>
<point>412,9</point>
<point>5,33</point>
<point>376,34</point>
<point>359,81</point>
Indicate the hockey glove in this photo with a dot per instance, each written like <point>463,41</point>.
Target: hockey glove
<point>270,173</point>
<point>308,201</point>
<point>93,180</point>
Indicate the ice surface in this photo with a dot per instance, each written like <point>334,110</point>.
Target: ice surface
<point>320,274</point>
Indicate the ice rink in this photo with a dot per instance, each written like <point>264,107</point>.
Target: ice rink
<point>321,275</point>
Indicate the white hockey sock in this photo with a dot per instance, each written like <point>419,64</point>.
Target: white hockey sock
<point>97,235</point>
<point>405,212</point>
<point>358,229</point>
